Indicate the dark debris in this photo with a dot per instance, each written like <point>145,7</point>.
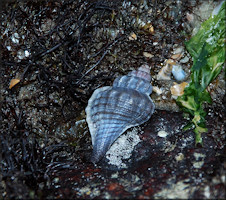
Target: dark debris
<point>72,48</point>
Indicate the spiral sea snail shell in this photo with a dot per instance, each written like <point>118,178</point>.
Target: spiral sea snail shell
<point>113,109</point>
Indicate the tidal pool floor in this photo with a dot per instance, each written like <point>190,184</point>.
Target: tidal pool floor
<point>54,54</point>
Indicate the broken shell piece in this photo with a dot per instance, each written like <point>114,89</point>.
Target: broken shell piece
<point>133,36</point>
<point>177,56</point>
<point>178,72</point>
<point>178,89</point>
<point>165,72</point>
<point>147,55</point>
<point>157,90</point>
<point>179,157</point>
<point>146,26</point>
<point>13,82</point>
<point>15,38</point>
<point>178,53</point>
<point>178,50</point>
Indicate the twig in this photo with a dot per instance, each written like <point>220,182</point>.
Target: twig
<point>98,62</point>
<point>52,49</point>
<point>93,66</point>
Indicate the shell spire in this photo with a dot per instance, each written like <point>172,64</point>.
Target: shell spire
<point>112,110</point>
<point>142,72</point>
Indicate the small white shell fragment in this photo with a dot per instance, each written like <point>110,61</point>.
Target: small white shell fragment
<point>162,134</point>
<point>20,54</point>
<point>16,35</point>
<point>198,164</point>
<point>15,38</point>
<point>147,55</point>
<point>157,90</point>
<point>155,43</point>
<point>27,53</point>
<point>113,32</point>
<point>179,157</point>
<point>9,48</point>
<point>178,73</point>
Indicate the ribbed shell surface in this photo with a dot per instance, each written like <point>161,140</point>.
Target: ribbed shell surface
<point>135,83</point>
<point>112,110</point>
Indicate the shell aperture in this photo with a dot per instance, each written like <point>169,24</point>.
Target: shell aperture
<point>112,110</point>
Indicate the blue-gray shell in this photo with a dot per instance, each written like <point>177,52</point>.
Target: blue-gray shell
<point>112,110</point>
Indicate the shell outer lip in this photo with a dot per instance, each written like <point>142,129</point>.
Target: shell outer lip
<point>91,126</point>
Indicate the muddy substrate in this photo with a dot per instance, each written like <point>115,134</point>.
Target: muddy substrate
<point>160,167</point>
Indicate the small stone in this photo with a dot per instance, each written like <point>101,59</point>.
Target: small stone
<point>147,55</point>
<point>162,134</point>
<point>184,60</point>
<point>198,165</point>
<point>178,50</point>
<point>179,157</point>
